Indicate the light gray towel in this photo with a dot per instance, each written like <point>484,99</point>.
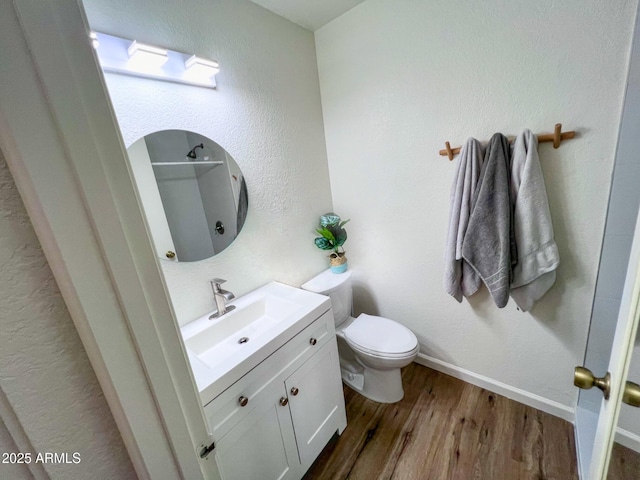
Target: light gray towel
<point>459,277</point>
<point>488,242</point>
<point>538,255</point>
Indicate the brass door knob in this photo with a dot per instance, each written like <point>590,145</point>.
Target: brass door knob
<point>294,391</point>
<point>313,341</point>
<point>583,378</point>
<point>631,394</point>
<point>170,254</point>
<point>243,401</point>
<point>284,401</point>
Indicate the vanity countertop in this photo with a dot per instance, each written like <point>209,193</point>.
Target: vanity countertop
<point>224,349</point>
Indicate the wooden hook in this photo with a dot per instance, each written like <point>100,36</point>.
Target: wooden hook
<point>447,146</point>
<point>556,138</point>
<point>557,135</point>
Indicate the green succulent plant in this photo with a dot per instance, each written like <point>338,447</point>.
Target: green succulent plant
<point>333,235</point>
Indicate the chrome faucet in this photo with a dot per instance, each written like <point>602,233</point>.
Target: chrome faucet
<point>221,297</point>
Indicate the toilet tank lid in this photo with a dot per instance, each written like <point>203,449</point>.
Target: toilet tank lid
<point>326,282</point>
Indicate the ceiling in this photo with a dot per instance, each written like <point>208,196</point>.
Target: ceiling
<point>310,14</point>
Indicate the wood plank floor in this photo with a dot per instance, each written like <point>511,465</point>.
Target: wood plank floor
<point>624,464</point>
<point>443,429</point>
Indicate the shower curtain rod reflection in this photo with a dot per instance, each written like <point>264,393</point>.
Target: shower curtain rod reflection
<point>210,162</point>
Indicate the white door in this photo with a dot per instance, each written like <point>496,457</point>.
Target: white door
<point>614,314</point>
<point>151,201</point>
<point>595,427</point>
<point>60,139</point>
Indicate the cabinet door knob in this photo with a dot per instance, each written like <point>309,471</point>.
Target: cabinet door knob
<point>284,401</point>
<point>294,391</point>
<point>171,254</point>
<point>313,341</point>
<point>243,401</point>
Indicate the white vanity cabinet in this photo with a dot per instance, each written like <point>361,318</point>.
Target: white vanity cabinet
<point>263,444</point>
<point>275,420</point>
<point>316,402</point>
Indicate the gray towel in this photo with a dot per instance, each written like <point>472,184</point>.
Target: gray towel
<point>538,255</point>
<point>459,277</point>
<point>489,240</point>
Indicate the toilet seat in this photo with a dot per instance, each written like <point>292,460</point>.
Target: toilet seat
<point>381,337</point>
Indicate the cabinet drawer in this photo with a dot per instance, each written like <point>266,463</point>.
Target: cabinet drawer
<point>226,410</point>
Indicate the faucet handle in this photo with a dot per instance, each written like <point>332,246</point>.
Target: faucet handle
<point>215,284</point>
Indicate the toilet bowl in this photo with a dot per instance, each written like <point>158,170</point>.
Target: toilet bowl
<point>372,349</point>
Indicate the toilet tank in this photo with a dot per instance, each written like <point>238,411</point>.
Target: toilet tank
<point>336,286</point>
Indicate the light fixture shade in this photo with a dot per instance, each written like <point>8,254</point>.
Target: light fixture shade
<point>128,57</point>
<point>94,40</point>
<point>199,67</point>
<point>146,56</point>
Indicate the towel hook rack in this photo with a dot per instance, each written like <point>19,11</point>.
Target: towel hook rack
<point>557,137</point>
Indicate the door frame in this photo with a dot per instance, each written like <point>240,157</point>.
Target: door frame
<point>61,142</point>
<point>622,351</point>
<point>627,318</point>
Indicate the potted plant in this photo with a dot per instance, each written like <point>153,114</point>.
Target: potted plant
<point>333,236</point>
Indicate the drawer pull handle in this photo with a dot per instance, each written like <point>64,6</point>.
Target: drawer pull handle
<point>294,391</point>
<point>313,341</point>
<point>284,401</point>
<point>243,401</point>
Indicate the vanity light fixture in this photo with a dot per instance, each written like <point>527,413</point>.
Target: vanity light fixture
<point>131,57</point>
<point>199,67</point>
<point>147,56</point>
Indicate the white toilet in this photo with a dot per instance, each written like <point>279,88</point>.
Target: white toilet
<point>372,349</point>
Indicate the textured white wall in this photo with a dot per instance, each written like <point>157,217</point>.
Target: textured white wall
<point>266,113</point>
<point>397,80</point>
<point>14,471</point>
<point>45,375</point>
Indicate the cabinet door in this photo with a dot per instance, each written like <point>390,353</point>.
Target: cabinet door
<point>262,446</point>
<point>316,402</point>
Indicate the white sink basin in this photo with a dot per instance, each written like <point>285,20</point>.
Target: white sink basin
<point>223,349</point>
<point>233,331</point>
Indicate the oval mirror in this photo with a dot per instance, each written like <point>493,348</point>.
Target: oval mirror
<point>192,191</point>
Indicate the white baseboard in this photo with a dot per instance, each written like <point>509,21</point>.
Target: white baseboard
<point>549,406</point>
<point>628,439</point>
